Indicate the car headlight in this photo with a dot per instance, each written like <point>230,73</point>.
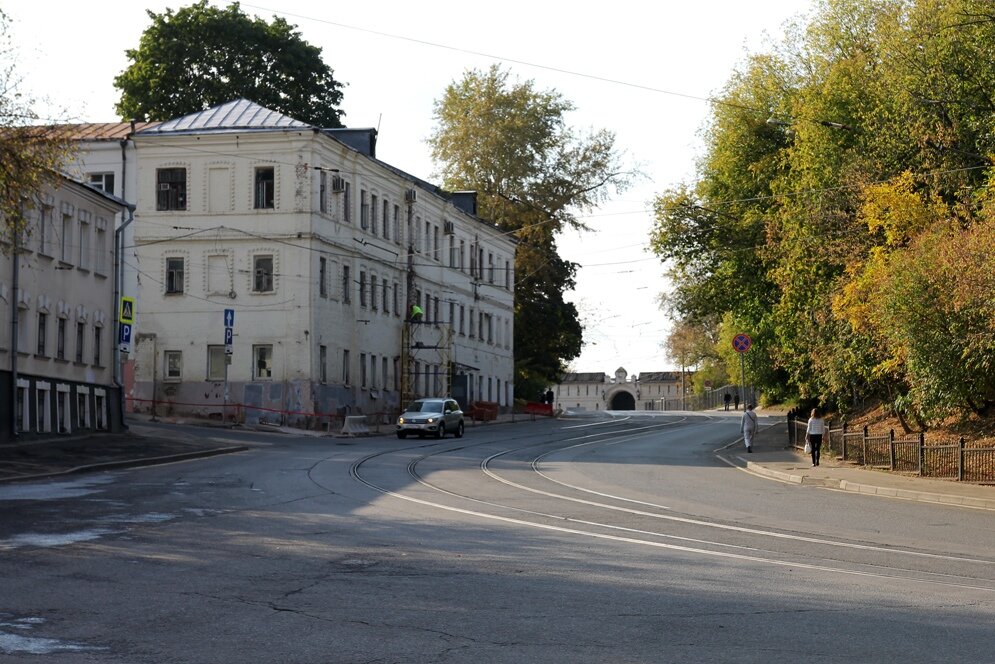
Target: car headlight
<point>432,420</point>
<point>400,420</point>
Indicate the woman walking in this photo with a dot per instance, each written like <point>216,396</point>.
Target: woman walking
<point>813,434</point>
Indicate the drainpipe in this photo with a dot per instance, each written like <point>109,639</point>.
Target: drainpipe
<point>115,306</point>
<point>13,334</point>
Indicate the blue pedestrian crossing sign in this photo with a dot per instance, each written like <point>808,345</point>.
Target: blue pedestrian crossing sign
<point>229,318</point>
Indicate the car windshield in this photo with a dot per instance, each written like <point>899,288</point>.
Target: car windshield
<point>425,407</point>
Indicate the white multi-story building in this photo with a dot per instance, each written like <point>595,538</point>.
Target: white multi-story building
<point>650,390</point>
<point>57,314</point>
<point>319,250</point>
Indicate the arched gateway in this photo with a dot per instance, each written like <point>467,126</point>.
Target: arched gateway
<point>623,401</point>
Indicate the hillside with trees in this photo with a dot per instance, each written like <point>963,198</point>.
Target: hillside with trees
<point>842,212</point>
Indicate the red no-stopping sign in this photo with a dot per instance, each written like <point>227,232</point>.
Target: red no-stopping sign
<point>742,343</point>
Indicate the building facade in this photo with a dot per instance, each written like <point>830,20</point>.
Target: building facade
<point>57,315</point>
<point>319,251</point>
<point>655,390</point>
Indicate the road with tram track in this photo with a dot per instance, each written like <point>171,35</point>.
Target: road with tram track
<point>618,537</point>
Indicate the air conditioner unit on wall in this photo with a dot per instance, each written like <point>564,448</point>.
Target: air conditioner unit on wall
<point>448,228</point>
<point>410,196</point>
<point>338,184</point>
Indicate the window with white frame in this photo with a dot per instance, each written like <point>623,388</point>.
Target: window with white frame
<point>383,368</point>
<point>172,365</point>
<point>43,407</point>
<point>98,340</point>
<point>174,275</point>
<point>45,230</point>
<point>60,338</point>
<point>262,362</point>
<point>362,369</point>
<point>262,274</point>
<point>84,241</point>
<point>171,189</point>
<point>507,275</point>
<point>42,333</point>
<point>397,300</point>
<point>322,191</point>
<point>82,408</point>
<point>346,285</point>
<point>386,219</point>
<point>99,409</point>
<point>102,181</point>
<point>264,197</point>
<point>364,210</point>
<point>80,340</point>
<point>66,240</point>
<point>362,288</point>
<point>100,255</point>
<point>385,296</point>
<point>397,224</point>
<point>374,206</point>
<point>347,203</point>
<point>62,408</point>
<point>216,362</point>
<point>323,276</point>
<point>373,292</point>
<point>345,367</point>
<point>373,372</point>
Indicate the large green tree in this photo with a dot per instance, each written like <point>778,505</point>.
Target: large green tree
<point>202,56</point>
<point>533,173</point>
<point>845,177</point>
<point>31,154</point>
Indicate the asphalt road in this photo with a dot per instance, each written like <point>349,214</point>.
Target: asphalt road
<point>588,540</point>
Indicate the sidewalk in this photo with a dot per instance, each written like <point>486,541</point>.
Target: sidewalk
<point>142,445</point>
<point>772,459</point>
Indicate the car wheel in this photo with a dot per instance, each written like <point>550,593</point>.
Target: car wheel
<point>441,433</point>
<point>459,429</point>
<point>402,435</point>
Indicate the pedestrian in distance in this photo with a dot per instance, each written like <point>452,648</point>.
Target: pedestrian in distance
<point>727,399</point>
<point>735,400</point>
<point>813,435</point>
<point>749,426</point>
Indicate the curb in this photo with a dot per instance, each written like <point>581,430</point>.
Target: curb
<point>130,463</point>
<point>872,490</point>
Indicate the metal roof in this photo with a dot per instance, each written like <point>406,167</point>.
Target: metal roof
<point>240,114</point>
<point>103,131</point>
<point>598,377</point>
<point>661,376</point>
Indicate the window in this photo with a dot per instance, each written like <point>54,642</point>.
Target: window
<point>362,288</point>
<point>364,210</point>
<point>174,276</point>
<point>462,328</point>
<point>362,369</point>
<point>490,268</point>
<point>347,203</point>
<point>80,340</point>
<point>262,274</point>
<point>265,189</point>
<point>100,409</point>
<point>397,224</point>
<point>373,372</point>
<point>45,230</point>
<point>373,292</point>
<point>100,244</point>
<point>60,339</point>
<point>452,251</point>
<point>323,363</point>
<point>435,242</point>
<point>428,238</point>
<point>373,214</point>
<point>323,191</point>
<point>397,373</point>
<point>65,242</point>
<point>82,408</point>
<point>397,299</point>
<point>172,365</point>
<point>43,411</point>
<point>384,296</point>
<point>102,181</point>
<point>346,285</point>
<point>171,189</point>
<point>42,332</point>
<point>97,334</point>
<point>452,313</point>
<point>386,219</point>
<point>435,311</point>
<point>345,367</point>
<point>462,255</point>
<point>216,361</point>
<point>322,276</point>
<point>383,371</point>
<point>262,362</point>
<point>507,275</point>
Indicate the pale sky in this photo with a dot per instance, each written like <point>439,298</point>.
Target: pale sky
<point>634,67</point>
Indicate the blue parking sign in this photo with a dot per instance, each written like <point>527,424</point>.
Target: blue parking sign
<point>125,335</point>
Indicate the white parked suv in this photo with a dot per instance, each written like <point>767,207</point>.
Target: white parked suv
<point>431,416</point>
